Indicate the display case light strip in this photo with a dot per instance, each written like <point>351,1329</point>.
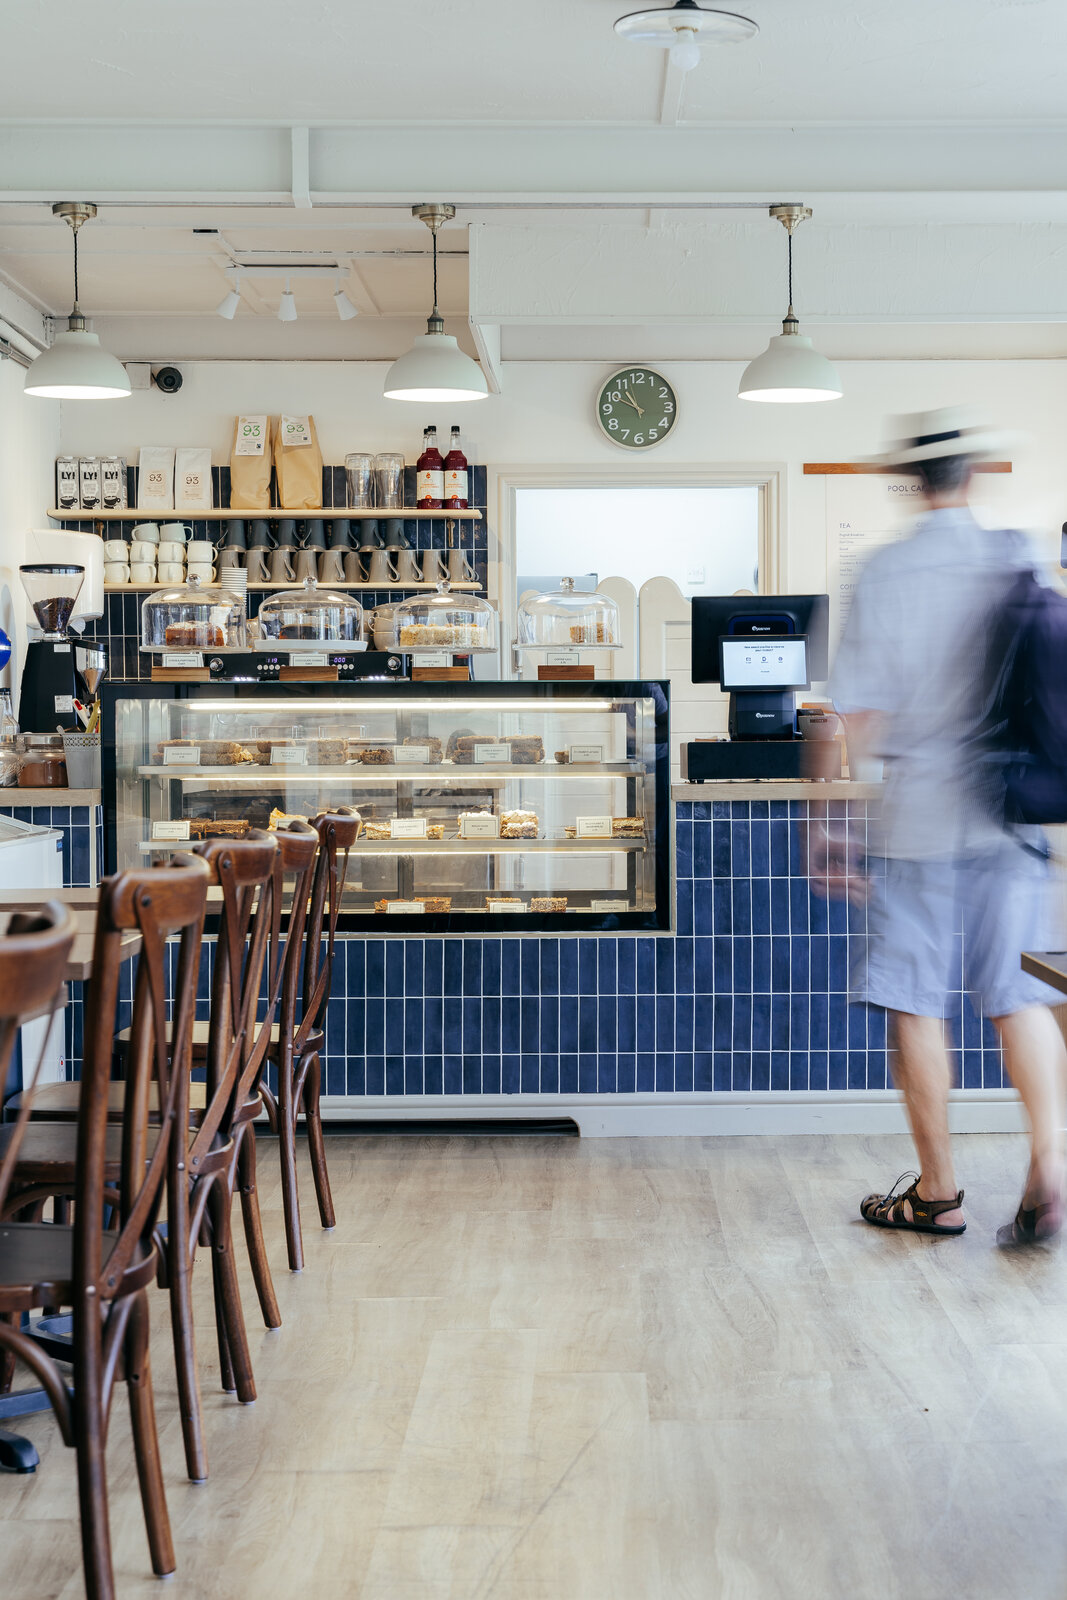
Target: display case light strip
<point>372,708</point>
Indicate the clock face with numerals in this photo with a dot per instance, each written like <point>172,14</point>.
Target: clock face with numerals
<point>636,408</point>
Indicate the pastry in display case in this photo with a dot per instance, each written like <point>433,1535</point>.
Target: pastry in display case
<point>309,617</point>
<point>468,814</point>
<point>193,617</point>
<point>445,620</point>
<point>568,618</point>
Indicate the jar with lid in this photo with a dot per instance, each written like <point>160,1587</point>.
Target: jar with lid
<point>42,762</point>
<point>568,618</point>
<point>193,617</point>
<point>445,620</point>
<point>310,616</point>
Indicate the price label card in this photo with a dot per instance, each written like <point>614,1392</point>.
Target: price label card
<point>181,755</point>
<point>288,755</point>
<point>405,908</point>
<point>502,907</point>
<point>484,753</point>
<point>61,649</point>
<point>183,658</point>
<point>296,431</point>
<point>251,436</point>
<point>479,827</point>
<point>586,752</point>
<point>407,828</point>
<point>432,658</point>
<point>412,755</point>
<point>176,832</point>
<point>308,658</point>
<point>562,658</point>
<point>593,827</point>
<point>609,905</point>
<point>64,703</point>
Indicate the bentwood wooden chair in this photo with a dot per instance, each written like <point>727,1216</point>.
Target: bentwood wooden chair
<point>212,1154</point>
<point>102,1272</point>
<point>296,1051</point>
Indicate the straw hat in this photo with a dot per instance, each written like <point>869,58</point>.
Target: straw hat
<point>948,431</point>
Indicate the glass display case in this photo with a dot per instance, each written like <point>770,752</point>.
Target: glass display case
<point>190,617</point>
<point>309,616</point>
<point>445,620</point>
<point>568,618</point>
<point>484,805</point>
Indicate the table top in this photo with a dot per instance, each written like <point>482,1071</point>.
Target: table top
<point>82,904</point>
<point>1048,965</point>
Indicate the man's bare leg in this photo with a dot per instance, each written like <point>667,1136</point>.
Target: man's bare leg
<point>1036,1059</point>
<point>924,1077</point>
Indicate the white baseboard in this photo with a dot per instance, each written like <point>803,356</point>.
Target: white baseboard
<point>635,1116</point>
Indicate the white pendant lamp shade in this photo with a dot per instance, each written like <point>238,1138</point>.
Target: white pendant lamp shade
<point>435,368</point>
<point>227,306</point>
<point>684,29</point>
<point>790,371</point>
<point>76,367</point>
<point>345,309</point>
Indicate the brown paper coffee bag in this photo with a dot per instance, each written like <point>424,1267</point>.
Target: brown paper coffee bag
<point>298,463</point>
<point>250,463</point>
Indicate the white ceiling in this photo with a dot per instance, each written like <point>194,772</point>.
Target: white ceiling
<point>182,118</point>
<point>527,61</point>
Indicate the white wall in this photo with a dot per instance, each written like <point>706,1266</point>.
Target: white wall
<point>29,443</point>
<point>545,415</point>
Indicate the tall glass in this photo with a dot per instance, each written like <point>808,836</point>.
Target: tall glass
<point>389,481</point>
<point>359,470</point>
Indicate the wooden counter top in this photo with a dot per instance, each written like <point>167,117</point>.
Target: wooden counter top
<point>48,797</point>
<point>776,789</point>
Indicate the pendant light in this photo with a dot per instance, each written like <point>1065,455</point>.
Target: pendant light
<point>75,367</point>
<point>790,370</point>
<point>684,29</point>
<point>345,309</point>
<point>435,368</point>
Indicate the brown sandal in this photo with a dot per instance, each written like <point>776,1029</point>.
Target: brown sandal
<point>1038,1224</point>
<point>887,1210</point>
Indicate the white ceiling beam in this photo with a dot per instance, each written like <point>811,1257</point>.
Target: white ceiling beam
<point>487,342</point>
<point>300,183</point>
<point>22,317</point>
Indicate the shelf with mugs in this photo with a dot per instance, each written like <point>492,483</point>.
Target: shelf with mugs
<point>270,513</point>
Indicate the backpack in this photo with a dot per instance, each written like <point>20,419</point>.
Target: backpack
<point>1025,727</point>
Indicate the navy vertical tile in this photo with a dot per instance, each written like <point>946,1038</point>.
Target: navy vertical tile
<point>587,1024</point>
<point>491,1074</point>
<point>761,1069</point>
<point>626,1073</point>
<point>394,1074</point>
<point>453,969</point>
<point>490,966</point>
<point>529,967</point>
<point>607,1074</point>
<point>549,983</point>
<point>646,1073</point>
<point>779,1069</point>
<point>472,1074</point>
<point>394,968</point>
<point>588,1064</point>
<point>453,1074</point>
<point>646,1023</point>
<point>568,1024</point>
<point>568,1074</point>
<point>529,1018</point>
<point>510,1075</point>
<point>587,966</point>
<point>510,1024</point>
<point>646,966</point>
<point>548,1026</point>
<point>607,967</point>
<point>627,966</point>
<point>509,966</point>
<point>703,1077</point>
<point>568,966</point>
<point>413,968</point>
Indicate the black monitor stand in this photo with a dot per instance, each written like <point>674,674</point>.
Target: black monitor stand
<point>763,714</point>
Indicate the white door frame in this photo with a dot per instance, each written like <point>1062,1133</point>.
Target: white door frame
<point>504,481</point>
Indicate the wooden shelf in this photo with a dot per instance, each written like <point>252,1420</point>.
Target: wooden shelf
<point>456,846</point>
<point>60,798</point>
<point>361,774</point>
<point>259,588</point>
<point>272,514</point>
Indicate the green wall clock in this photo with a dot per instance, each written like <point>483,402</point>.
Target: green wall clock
<point>636,408</point>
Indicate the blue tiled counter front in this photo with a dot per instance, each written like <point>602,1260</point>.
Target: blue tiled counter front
<point>749,994</point>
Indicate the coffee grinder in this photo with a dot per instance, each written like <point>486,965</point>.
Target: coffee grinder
<point>49,681</point>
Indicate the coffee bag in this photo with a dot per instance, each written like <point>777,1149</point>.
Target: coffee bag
<point>250,463</point>
<point>298,463</point>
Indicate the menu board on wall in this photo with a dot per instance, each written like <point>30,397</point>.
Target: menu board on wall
<point>864,511</point>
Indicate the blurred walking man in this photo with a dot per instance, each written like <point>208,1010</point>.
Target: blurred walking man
<point>908,678</point>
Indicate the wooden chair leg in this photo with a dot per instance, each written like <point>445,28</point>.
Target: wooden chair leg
<point>226,1375</point>
<point>316,1145</point>
<point>294,1242</point>
<point>228,1294</point>
<point>90,1442</point>
<point>179,1274</point>
<point>7,1357</point>
<point>253,1225</point>
<point>146,1439</point>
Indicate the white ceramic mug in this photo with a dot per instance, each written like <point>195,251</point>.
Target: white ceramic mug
<point>434,565</point>
<point>146,530</point>
<point>307,564</point>
<point>171,550</point>
<point>281,567</point>
<point>256,566</point>
<point>178,532</point>
<point>171,571</point>
<point>202,570</point>
<point>459,568</point>
<point>380,568</point>
<point>116,550</point>
<point>407,566</point>
<point>199,550</point>
<point>143,550</point>
<point>143,571</point>
<point>332,566</point>
<point>116,572</point>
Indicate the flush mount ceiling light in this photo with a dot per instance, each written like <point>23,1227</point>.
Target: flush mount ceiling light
<point>684,29</point>
<point>345,309</point>
<point>75,367</point>
<point>790,370</point>
<point>287,305</point>
<point>227,307</point>
<point>435,368</point>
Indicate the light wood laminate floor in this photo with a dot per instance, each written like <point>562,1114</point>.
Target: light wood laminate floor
<point>612,1370</point>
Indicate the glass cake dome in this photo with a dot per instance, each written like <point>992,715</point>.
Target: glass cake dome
<point>310,615</point>
<point>566,618</point>
<point>445,620</point>
<point>191,617</point>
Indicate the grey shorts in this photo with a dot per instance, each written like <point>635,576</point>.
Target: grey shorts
<point>936,927</point>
